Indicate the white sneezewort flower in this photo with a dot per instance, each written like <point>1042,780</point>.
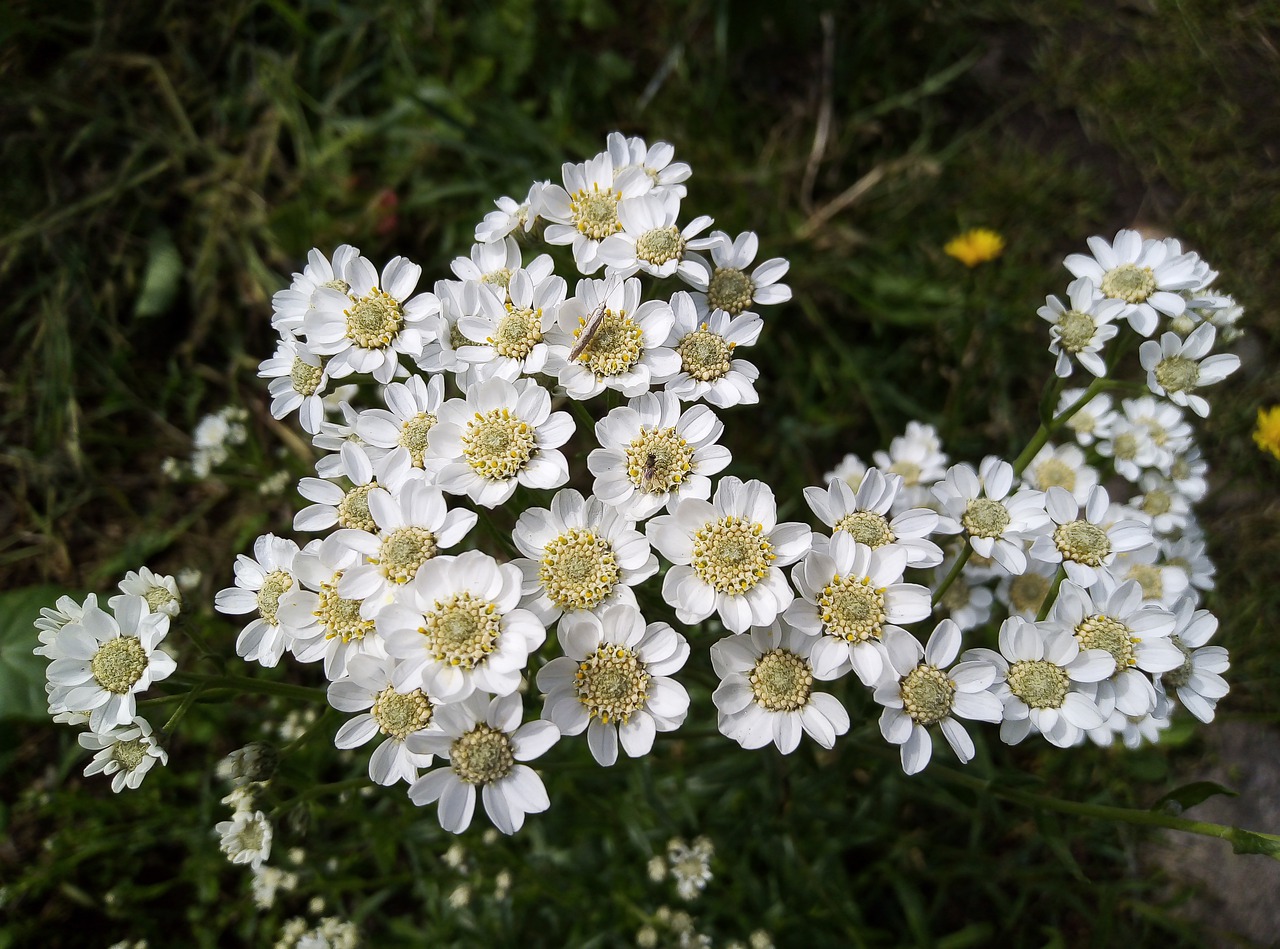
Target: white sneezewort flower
<point>396,714</point>
<point>1161,504</point>
<point>1064,466</point>
<point>851,596</point>
<point>485,745</point>
<point>654,160</point>
<point>491,263</point>
<point>1024,594</point>
<point>298,380</point>
<point>126,753</point>
<point>1082,329</point>
<point>512,215</point>
<point>995,521</point>
<point>1188,474</point>
<point>1091,422</point>
<point>727,554</point>
<point>1162,583</point>
<point>1198,682</point>
<point>502,434</point>
<point>614,681</point>
<point>246,838</point>
<point>1177,367</point>
<point>1137,636</point>
<point>585,211</point>
<point>441,353</point>
<point>968,600</point>
<point>456,628</point>
<point>102,660</point>
<point>626,349</point>
<point>396,438</point>
<point>412,526</point>
<point>505,335</point>
<point>728,286</point>
<point>1133,730</point>
<point>863,515</point>
<point>53,618</point>
<point>918,458</point>
<point>1144,275</point>
<point>367,328</point>
<point>259,585</point>
<point>325,625</point>
<point>690,865</point>
<point>1045,682</point>
<point>917,694</point>
<point>652,453</point>
<point>1149,433</point>
<point>1190,555</point>
<point>1086,538</point>
<point>649,239</point>
<point>706,347</point>
<point>766,690</point>
<point>334,434</point>
<point>851,470</point>
<point>290,307</point>
<point>580,555</point>
<point>159,590</point>
<point>348,508</point>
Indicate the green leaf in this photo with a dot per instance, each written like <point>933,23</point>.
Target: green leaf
<point>21,671</point>
<point>1189,795</point>
<point>162,278</point>
<point>1248,841</point>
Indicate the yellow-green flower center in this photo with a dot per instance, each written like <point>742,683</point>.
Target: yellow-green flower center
<point>1150,578</point>
<point>908,470</point>
<point>578,570</point>
<point>1177,374</point>
<point>374,320</point>
<point>304,376</point>
<point>1125,446</point>
<point>403,551</point>
<point>1027,592</point>
<point>158,597</point>
<point>985,518</point>
<point>1129,282</point>
<point>730,290</point>
<point>612,684</point>
<point>1104,632</point>
<point>130,754</point>
<point>732,555</point>
<point>340,616</point>
<point>1178,678</point>
<point>415,435</point>
<point>660,245</point>
<point>781,681</point>
<point>1039,683</point>
<point>1075,330</point>
<point>118,664</point>
<point>705,355</point>
<point>400,714</point>
<point>1053,472</point>
<point>463,631</point>
<point>852,609</point>
<point>340,285</point>
<point>595,212</point>
<point>518,332</point>
<point>1082,542</point>
<point>482,755</point>
<point>498,444</point>
<point>615,346</point>
<point>927,694</point>
<point>274,585</point>
<point>497,278</point>
<point>353,509</point>
<point>867,527</point>
<point>1156,502</point>
<point>658,460</point>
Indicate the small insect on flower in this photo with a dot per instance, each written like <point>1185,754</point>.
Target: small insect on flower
<point>589,330</point>
<point>650,469</point>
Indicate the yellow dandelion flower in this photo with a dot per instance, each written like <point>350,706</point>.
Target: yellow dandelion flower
<point>1267,434</point>
<point>976,246</point>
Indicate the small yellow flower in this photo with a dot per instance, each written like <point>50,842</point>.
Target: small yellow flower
<point>976,246</point>
<point>1267,434</point>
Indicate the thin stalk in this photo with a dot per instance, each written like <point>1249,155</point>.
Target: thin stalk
<point>319,790</point>
<point>181,710</point>
<point>303,693</point>
<point>1052,595</point>
<point>1045,431</point>
<point>950,578</point>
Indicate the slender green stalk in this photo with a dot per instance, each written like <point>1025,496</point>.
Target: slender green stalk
<point>1052,595</point>
<point>1045,431</point>
<point>181,710</point>
<point>965,552</point>
<point>286,690</point>
<point>319,790</point>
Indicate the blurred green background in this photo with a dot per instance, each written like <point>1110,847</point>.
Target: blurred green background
<point>167,167</point>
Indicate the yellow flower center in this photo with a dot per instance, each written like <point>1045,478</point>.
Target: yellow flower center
<point>867,527</point>
<point>400,714</point>
<point>705,355</point>
<point>612,684</point>
<point>518,332</point>
<point>985,518</point>
<point>732,555</point>
<point>118,664</point>
<point>403,551</point>
<point>1082,542</point>
<point>595,212</point>
<point>463,630</point>
<point>374,320</point>
<point>659,245</point>
<point>497,444</point>
<point>415,436</point>
<point>781,681</point>
<point>1129,282</point>
<point>852,609</point>
<point>274,585</point>
<point>1103,632</point>
<point>1039,683</point>
<point>339,616</point>
<point>578,570</point>
<point>927,694</point>
<point>304,376</point>
<point>658,460</point>
<point>353,509</point>
<point>730,290</point>
<point>482,755</point>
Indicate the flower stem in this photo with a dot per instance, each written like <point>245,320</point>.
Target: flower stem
<point>286,690</point>
<point>1046,430</point>
<point>1052,595</point>
<point>950,578</point>
<point>187,701</point>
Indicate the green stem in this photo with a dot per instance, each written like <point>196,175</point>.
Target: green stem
<point>181,710</point>
<point>312,730</point>
<point>950,578</point>
<point>1051,597</point>
<point>1045,431</point>
<point>319,790</point>
<point>302,693</point>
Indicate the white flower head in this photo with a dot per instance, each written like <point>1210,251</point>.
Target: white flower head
<point>486,747</point>
<point>126,753</point>
<point>968,601</point>
<point>441,351</point>
<point>650,240</point>
<point>916,456</point>
<point>851,470</point>
<point>1161,504</point>
<point>707,348</point>
<point>1081,329</point>
<point>995,520</point>
<point>727,286</point>
<point>766,691</point>
<point>337,507</point>
<point>1063,466</point>
<point>1086,538</point>
<point>291,306</point>
<point>53,618</point>
<point>506,334</point>
<point>336,432</point>
<point>511,215</point>
<point>1144,275</point>
<point>1024,594</point>
<point>1176,368</point>
<point>1162,583</point>
<point>628,153</point>
<point>864,514</point>
<point>1197,683</point>
<point>491,263</point>
<point>1091,422</point>
<point>690,865</point>
<point>394,714</point>
<point>1189,554</point>
<point>260,583</point>
<point>614,681</point>
<point>728,554</point>
<point>396,438</point>
<point>159,590</point>
<point>918,690</point>
<point>653,452</point>
<point>298,380</point>
<point>1188,473</point>
<point>246,838</point>
<point>585,211</point>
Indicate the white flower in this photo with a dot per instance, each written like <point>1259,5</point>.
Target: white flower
<point>1190,555</point>
<point>266,881</point>
<point>1024,594</point>
<point>649,239</point>
<point>995,521</point>
<point>290,307</point>
<point>1198,682</point>
<point>103,660</point>
<point>917,694</point>
<point>506,332</point>
<point>706,347</point>
<point>1177,367</point>
<point>1161,504</point>
<point>690,865</point>
<point>396,438</point>
<point>1144,275</point>
<point>968,600</point>
<point>259,585</point>
<point>1188,473</point>
<point>1045,682</point>
<point>440,352</point>
<point>385,710</point>
<point>334,434</point>
<point>585,211</point>
<point>51,619</point>
<point>863,515</point>
<point>1082,329</point>
<point>851,470</point>
<point>511,215</point>
<point>652,452</point>
<point>246,838</point>
<point>491,263</point>
<point>1133,730</point>
<point>579,555</point>
<point>766,690</point>
<point>456,628</point>
<point>159,590</point>
<point>1162,583</point>
<point>126,753</point>
<point>485,744</point>
<point>349,508</point>
<point>728,286</point>
<point>654,160</point>
<point>1065,467</point>
<point>727,554</point>
<point>614,681</point>
<point>1091,422</point>
<point>918,458</point>
<point>502,434</point>
<point>325,625</point>
<point>852,596</point>
<point>298,379</point>
<point>1087,537</point>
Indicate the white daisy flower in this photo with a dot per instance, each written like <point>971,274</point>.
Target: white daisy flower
<point>1024,594</point>
<point>917,694</point>
<point>511,215</point>
<point>1144,275</point>
<point>1045,682</point>
<point>485,745</point>
<point>727,554</point>
<point>1137,636</point>
<point>863,514</point>
<point>1086,538</point>
<point>290,307</point>
<point>614,681</point>
<point>456,628</point>
<point>852,596</point>
<point>585,211</point>
<point>259,585</point>
<point>324,625</point>
<point>347,508</point>
<point>728,286</point>
<point>1164,424</point>
<point>649,239</point>
<point>1198,682</point>
<point>126,753</point>
<point>396,438</point>
<point>918,458</point>
<point>246,838</point>
<point>1082,329</point>
<point>1134,730</point>
<point>1161,583</point>
<point>1091,422</point>
<point>103,660</point>
<point>690,865</point>
<point>995,521</point>
<point>412,526</point>
<point>1161,504</point>
<point>51,619</point>
<point>654,160</point>
<point>1177,367</point>
<point>367,328</point>
<point>395,714</point>
<point>580,555</point>
<point>491,263</point>
<point>1063,466</point>
<point>159,590</point>
<point>500,435</point>
<point>651,452</point>
<point>1188,474</point>
<point>441,351</point>
<point>506,338</point>
<point>766,690</point>
<point>851,470</point>
<point>298,380</point>
<point>335,433</point>
<point>1131,449</point>
<point>968,600</point>
<point>1190,555</point>
<point>706,347</point>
